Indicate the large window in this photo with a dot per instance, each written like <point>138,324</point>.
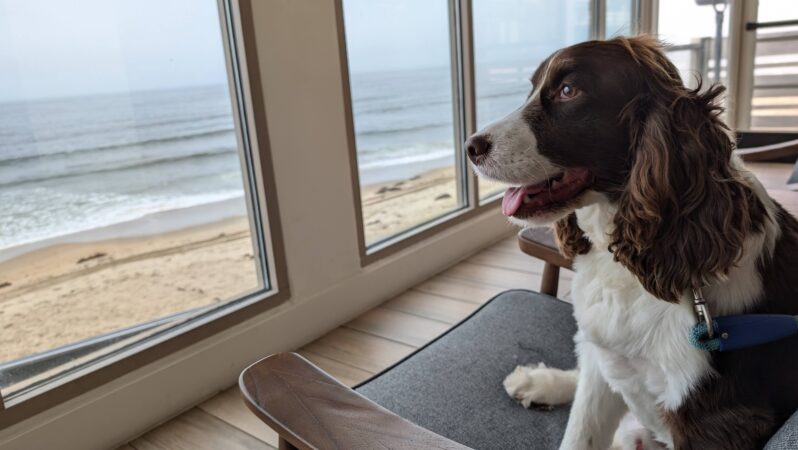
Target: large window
<point>511,37</point>
<point>401,82</point>
<point>689,28</point>
<point>619,18</point>
<point>410,82</point>
<point>774,103</point>
<point>129,208</point>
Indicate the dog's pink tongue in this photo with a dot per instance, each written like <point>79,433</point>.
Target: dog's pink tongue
<point>513,199</point>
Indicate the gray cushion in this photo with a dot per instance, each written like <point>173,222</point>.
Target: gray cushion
<point>787,437</point>
<point>453,386</point>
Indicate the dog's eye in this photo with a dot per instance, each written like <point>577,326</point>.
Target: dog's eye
<point>567,92</point>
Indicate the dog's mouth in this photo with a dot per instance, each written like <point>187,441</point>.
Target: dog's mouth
<point>527,201</point>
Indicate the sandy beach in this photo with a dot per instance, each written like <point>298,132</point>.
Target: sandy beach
<point>394,206</point>
<point>58,292</point>
<point>64,293</point>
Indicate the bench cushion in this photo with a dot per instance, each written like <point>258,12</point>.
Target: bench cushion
<point>787,437</point>
<point>453,386</point>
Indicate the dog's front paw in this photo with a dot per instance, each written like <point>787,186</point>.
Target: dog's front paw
<point>541,385</point>
<point>640,439</point>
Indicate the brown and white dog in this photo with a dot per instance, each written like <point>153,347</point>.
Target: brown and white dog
<point>636,173</point>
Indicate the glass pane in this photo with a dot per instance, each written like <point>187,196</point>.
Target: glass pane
<point>511,37</point>
<point>774,106</point>
<point>618,20</point>
<point>690,29</point>
<point>124,206</point>
<point>401,83</point>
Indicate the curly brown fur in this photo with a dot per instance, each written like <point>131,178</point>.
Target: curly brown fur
<point>570,238</point>
<point>686,211</point>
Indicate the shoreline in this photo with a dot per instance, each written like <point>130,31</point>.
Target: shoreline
<point>167,221</point>
<point>151,224</point>
<point>176,219</point>
<point>396,172</point>
<point>66,289</point>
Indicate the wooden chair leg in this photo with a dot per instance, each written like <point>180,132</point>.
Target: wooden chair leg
<point>282,444</point>
<point>551,279</point>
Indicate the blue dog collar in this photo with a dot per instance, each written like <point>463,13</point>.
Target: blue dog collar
<point>742,331</point>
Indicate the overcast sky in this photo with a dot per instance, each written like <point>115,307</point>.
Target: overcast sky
<point>54,48</point>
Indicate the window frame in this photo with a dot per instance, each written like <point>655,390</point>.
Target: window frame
<point>244,82</point>
<point>461,38</point>
<point>462,64</point>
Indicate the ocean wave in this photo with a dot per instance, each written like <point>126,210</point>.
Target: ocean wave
<point>140,126</point>
<point>129,165</point>
<point>146,142</point>
<point>438,153</point>
<point>107,210</point>
<point>394,130</point>
<point>361,109</point>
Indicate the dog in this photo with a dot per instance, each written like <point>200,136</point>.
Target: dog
<point>636,174</point>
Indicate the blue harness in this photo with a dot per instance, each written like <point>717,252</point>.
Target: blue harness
<point>736,332</point>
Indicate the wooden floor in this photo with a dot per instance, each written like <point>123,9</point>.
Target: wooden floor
<point>387,333</point>
<point>362,347</point>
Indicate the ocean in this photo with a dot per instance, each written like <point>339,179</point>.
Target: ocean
<point>72,164</point>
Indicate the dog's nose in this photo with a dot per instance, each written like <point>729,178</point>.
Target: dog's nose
<point>478,147</point>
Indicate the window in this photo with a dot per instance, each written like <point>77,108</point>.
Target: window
<point>618,18</point>
<point>774,106</point>
<point>402,91</point>
<point>130,206</point>
<point>511,37</point>
<point>690,29</point>
<point>410,81</point>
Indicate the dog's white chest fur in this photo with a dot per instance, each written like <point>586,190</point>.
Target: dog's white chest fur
<point>640,342</point>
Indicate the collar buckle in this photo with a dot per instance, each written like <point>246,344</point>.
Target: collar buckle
<point>701,310</point>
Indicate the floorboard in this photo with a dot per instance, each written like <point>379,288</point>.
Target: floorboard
<point>358,349</point>
<point>459,289</point>
<point>493,276</point>
<point>432,306</point>
<point>229,407</point>
<point>518,262</point>
<point>198,430</point>
<point>349,375</point>
<point>399,326</point>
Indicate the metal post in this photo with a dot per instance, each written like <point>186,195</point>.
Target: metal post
<point>720,9</point>
<point>705,44</point>
<point>455,51</point>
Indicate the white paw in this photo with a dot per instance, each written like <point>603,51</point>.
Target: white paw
<point>541,385</point>
<point>639,439</point>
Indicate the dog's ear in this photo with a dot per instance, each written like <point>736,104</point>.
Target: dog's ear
<point>570,238</point>
<point>685,212</point>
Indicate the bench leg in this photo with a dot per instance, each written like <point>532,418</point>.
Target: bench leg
<point>551,279</point>
<point>285,445</point>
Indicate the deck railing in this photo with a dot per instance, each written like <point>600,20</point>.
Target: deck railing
<point>774,103</point>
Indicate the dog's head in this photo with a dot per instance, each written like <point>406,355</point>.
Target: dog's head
<point>612,120</point>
